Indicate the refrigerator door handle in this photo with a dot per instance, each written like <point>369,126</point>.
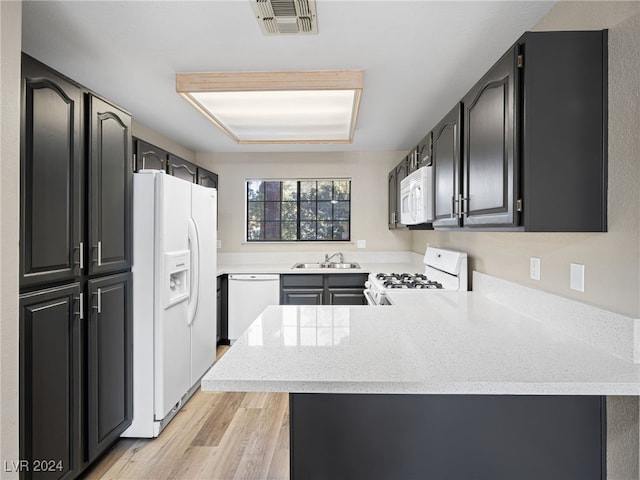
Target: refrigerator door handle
<point>194,246</point>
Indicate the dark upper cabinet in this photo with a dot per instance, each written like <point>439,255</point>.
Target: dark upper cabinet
<point>50,382</point>
<point>564,131</point>
<point>420,156</point>
<point>534,130</point>
<point>51,172</point>
<point>424,151</point>
<point>150,157</point>
<point>412,160</point>
<point>180,168</point>
<point>110,351</point>
<point>111,187</point>
<point>490,189</point>
<point>396,175</point>
<point>446,168</point>
<point>391,199</point>
<point>207,178</point>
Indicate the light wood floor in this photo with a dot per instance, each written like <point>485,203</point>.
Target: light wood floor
<point>215,436</point>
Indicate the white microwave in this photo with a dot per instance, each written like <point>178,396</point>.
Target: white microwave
<point>416,197</point>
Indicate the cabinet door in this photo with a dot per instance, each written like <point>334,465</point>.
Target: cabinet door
<point>402,170</point>
<point>207,178</point>
<point>346,296</point>
<point>50,378</point>
<point>110,369</point>
<point>180,168</point>
<point>446,169</point>
<point>110,175</point>
<point>392,199</point>
<point>489,186</point>
<point>424,151</point>
<point>302,296</point>
<point>150,157</point>
<point>50,176</point>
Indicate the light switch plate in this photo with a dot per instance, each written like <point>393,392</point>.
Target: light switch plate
<point>361,244</point>
<point>219,244</point>
<point>576,277</point>
<point>534,268</point>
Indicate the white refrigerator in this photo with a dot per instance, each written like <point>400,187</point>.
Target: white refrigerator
<point>174,296</point>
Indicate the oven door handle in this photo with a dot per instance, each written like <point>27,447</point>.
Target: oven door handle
<point>369,297</point>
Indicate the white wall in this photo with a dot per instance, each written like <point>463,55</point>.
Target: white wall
<point>368,171</point>
<point>611,259</point>
<point>10,41</point>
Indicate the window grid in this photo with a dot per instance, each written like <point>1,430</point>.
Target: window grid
<point>316,210</point>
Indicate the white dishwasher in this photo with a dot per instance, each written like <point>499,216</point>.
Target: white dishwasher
<point>249,295</point>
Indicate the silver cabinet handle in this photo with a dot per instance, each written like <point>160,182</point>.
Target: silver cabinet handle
<point>98,307</point>
<point>99,249</point>
<point>461,209</point>
<point>80,261</point>
<point>80,313</point>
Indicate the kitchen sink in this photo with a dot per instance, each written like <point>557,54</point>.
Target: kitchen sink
<point>327,265</point>
<point>343,265</point>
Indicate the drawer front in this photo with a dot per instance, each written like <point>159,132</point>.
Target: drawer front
<point>302,280</point>
<point>354,280</point>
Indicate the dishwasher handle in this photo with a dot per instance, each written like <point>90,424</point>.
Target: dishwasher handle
<point>253,276</point>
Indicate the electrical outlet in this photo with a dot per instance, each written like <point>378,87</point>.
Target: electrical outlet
<point>361,244</point>
<point>219,244</point>
<point>576,277</point>
<point>534,268</point>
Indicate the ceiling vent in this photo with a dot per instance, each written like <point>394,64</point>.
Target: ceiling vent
<point>278,17</point>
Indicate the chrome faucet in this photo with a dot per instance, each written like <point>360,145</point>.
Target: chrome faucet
<point>327,257</point>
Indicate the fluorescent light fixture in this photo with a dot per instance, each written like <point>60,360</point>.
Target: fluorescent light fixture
<point>278,107</point>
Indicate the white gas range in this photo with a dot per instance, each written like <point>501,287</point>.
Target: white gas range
<point>443,270</point>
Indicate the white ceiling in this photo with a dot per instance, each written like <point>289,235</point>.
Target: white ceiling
<point>419,57</point>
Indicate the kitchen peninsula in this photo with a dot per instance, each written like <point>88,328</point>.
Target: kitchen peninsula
<point>453,383</point>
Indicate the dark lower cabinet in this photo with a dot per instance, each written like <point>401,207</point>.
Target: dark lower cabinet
<point>76,375</point>
<point>302,296</point>
<point>345,289</point>
<point>438,437</point>
<point>51,372</point>
<point>110,353</point>
<point>222,316</point>
<point>346,296</point>
<point>323,289</point>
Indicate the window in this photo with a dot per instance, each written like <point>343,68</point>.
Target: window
<point>298,210</point>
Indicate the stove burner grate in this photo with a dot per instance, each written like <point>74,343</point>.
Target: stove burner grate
<point>407,280</point>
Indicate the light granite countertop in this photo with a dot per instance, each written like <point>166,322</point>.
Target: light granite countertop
<point>441,343</point>
<point>279,263</point>
<point>280,268</point>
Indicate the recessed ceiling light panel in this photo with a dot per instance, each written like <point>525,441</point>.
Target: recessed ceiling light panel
<point>278,107</point>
